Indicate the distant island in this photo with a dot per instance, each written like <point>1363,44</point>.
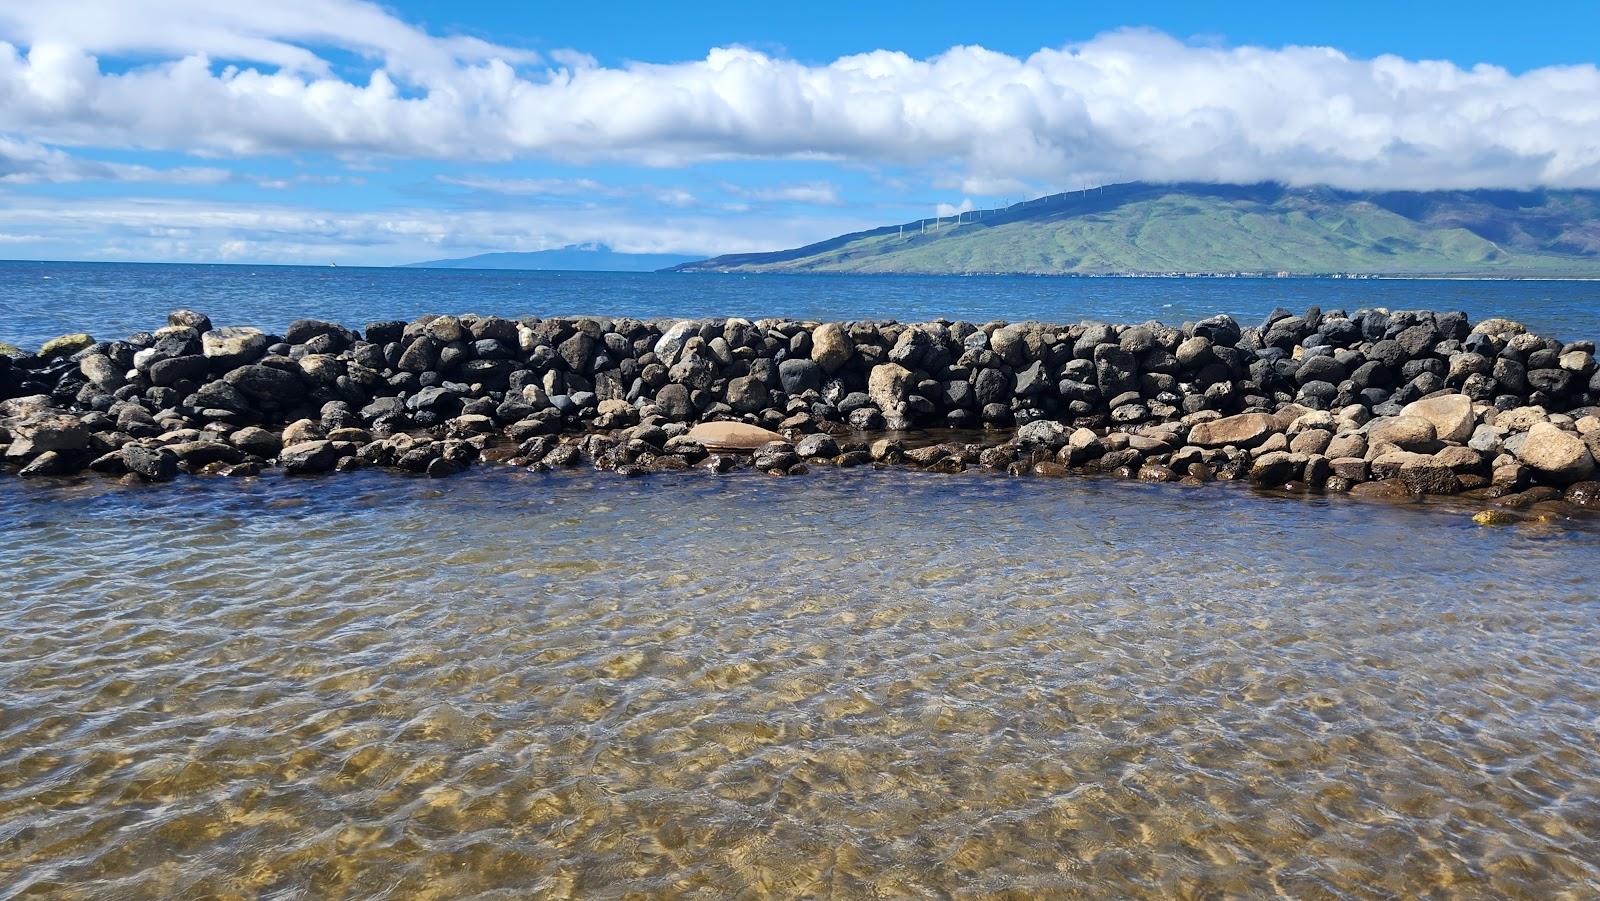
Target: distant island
<point>1206,229</point>
<point>573,257</point>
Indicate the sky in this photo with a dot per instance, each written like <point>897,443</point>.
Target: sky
<point>318,131</point>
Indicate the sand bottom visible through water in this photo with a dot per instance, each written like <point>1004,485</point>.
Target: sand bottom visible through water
<point>853,682</point>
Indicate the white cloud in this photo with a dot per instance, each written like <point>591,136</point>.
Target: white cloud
<point>256,232</point>
<point>950,209</point>
<point>26,163</point>
<point>280,33</point>
<point>816,193</point>
<point>580,188</point>
<point>1126,105</point>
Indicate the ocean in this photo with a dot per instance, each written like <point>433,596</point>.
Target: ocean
<point>849,683</point>
<point>41,300</point>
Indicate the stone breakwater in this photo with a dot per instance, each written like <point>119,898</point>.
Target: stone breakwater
<point>1369,402</point>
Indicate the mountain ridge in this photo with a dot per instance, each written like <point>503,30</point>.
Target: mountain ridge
<point>1138,228</point>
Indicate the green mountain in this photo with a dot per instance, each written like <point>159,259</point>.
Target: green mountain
<point>1150,229</point>
<point>572,258</point>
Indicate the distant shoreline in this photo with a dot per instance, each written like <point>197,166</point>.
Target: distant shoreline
<point>1355,277</point>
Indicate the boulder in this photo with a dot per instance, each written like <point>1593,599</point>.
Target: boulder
<point>1559,456</point>
<point>1044,433</point>
<point>65,346</point>
<point>1412,433</point>
<point>746,394</point>
<point>831,347</point>
<point>50,463</point>
<point>102,372</point>
<point>1428,476</point>
<point>256,441</point>
<point>1245,430</point>
<point>52,433</point>
<point>672,340</point>
<point>233,346</point>
<point>799,375</point>
<point>724,436</point>
<point>887,385</point>
<point>309,457</point>
<point>152,464</point>
<point>1450,414</point>
<point>1276,468</point>
<point>1499,328</point>
<point>817,446</point>
<point>266,383</point>
<point>177,369</point>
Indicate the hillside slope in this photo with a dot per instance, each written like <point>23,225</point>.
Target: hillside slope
<point>1163,229</point>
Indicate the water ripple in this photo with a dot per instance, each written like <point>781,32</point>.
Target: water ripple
<point>857,683</point>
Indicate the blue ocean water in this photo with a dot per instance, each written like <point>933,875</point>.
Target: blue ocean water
<point>39,300</point>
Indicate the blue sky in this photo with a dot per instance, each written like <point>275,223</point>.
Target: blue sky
<point>344,131</point>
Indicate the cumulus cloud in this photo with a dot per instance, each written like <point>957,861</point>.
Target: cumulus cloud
<point>254,79</point>
<point>952,209</point>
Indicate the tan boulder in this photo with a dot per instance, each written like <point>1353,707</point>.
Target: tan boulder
<point>1450,414</point>
<point>1245,430</point>
<point>1412,433</point>
<point>1557,455</point>
<point>888,384</point>
<point>831,347</point>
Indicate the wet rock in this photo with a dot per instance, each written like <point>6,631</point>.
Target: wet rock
<point>775,455</point>
<point>309,457</point>
<point>1355,469</point>
<point>1386,489</point>
<point>817,446</point>
<point>1275,468</point>
<point>1584,494</point>
<point>50,463</point>
<point>195,454</point>
<point>1428,476</point>
<point>152,464</point>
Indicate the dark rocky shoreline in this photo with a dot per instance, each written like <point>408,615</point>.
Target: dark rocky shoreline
<point>1387,404</point>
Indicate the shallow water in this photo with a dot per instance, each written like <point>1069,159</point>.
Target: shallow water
<point>853,682</point>
<point>112,300</point>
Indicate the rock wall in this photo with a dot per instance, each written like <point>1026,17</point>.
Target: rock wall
<point>1321,398</point>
